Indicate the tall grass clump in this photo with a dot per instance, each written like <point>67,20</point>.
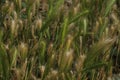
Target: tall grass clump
<point>59,39</point>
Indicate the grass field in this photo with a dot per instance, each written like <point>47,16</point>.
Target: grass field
<point>59,39</point>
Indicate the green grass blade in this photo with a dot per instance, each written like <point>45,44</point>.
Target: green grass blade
<point>94,66</point>
<point>64,29</point>
<point>75,18</point>
<point>4,63</point>
<point>109,6</point>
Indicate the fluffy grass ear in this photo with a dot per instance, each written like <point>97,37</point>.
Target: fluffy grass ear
<point>99,49</point>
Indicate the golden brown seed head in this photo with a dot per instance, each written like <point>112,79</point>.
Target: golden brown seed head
<point>38,23</point>
<point>23,49</point>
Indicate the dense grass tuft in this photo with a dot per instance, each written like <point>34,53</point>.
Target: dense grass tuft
<point>59,39</point>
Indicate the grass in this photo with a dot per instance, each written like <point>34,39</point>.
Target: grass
<point>59,39</point>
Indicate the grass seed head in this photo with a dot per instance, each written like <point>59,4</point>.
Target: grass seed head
<point>13,26</point>
<point>34,9</point>
<point>42,69</point>
<point>80,62</point>
<point>15,15</point>
<point>67,59</point>
<point>76,9</point>
<point>20,23</point>
<point>38,23</point>
<point>11,8</point>
<point>53,74</point>
<point>23,48</point>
